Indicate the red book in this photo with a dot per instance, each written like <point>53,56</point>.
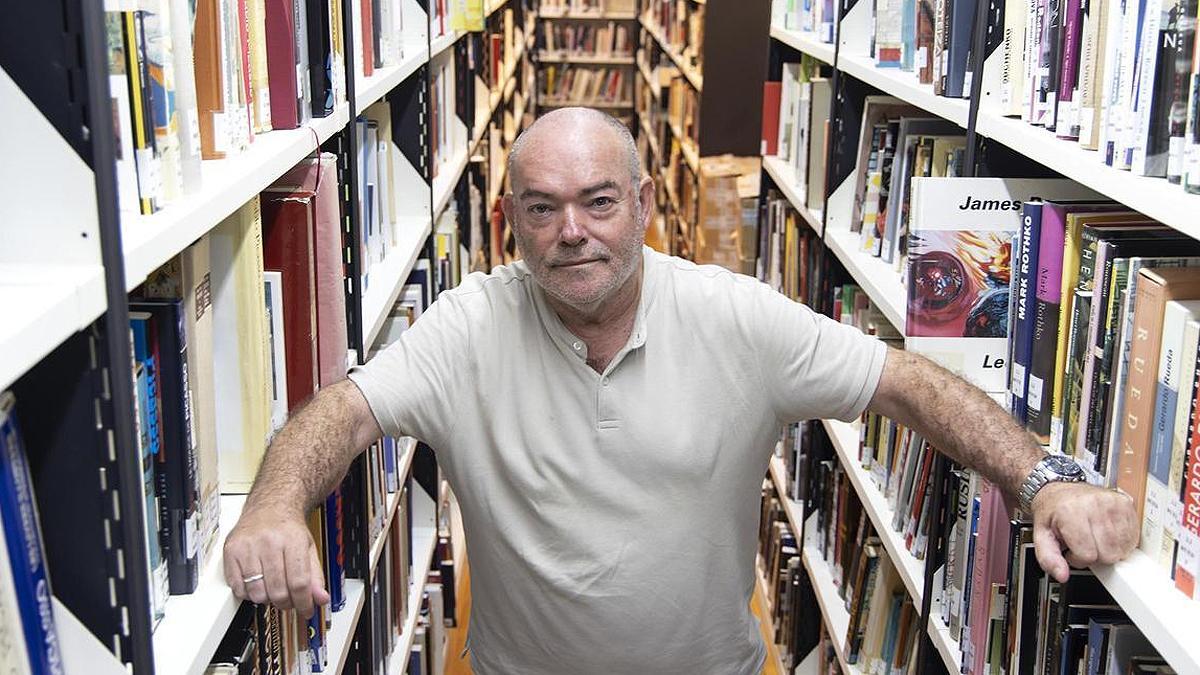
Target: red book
<point>1187,566</point>
<point>288,249</point>
<point>367,37</point>
<point>497,62</point>
<point>772,91</point>
<point>319,179</point>
<point>280,22</point>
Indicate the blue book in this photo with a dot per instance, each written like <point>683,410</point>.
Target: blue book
<point>1022,321</point>
<point>22,536</point>
<point>908,35</point>
<point>389,462</point>
<point>335,550</point>
<point>145,372</point>
<point>967,582</point>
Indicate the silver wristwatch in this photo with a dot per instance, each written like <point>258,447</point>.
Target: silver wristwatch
<point>1052,469</point>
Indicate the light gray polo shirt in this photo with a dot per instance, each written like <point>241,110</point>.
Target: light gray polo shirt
<point>611,518</point>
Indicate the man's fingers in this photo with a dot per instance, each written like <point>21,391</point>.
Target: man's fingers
<point>1049,553</point>
<point>256,590</point>
<point>276,579</point>
<point>317,587</point>
<point>234,576</point>
<point>299,579</point>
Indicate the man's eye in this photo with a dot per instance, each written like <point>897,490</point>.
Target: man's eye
<point>539,209</point>
<point>603,201</point>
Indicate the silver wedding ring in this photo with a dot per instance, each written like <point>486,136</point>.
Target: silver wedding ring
<point>252,578</point>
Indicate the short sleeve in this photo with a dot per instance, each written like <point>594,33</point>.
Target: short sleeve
<point>411,384</point>
<point>812,366</point>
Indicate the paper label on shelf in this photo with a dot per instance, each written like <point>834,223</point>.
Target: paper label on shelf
<point>1188,558</point>
<point>190,528</point>
<point>149,171</point>
<point>1086,117</point>
<point>220,132</point>
<point>1173,518</point>
<point>1034,400</point>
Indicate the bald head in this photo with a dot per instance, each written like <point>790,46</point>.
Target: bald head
<point>576,125</point>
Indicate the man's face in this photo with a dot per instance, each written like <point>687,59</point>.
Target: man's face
<point>575,212</point>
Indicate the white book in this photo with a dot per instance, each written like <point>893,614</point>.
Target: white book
<point>1139,129</point>
<point>273,286</point>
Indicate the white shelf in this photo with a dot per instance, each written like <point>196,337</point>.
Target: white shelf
<point>784,175</point>
<point>911,571</point>
<point>589,59</point>
<point>493,6</point>
<point>403,462</point>
<point>904,85</point>
<point>227,184</point>
<point>1155,197</point>
<point>368,90</point>
<point>447,178</point>
<point>833,609</point>
<point>946,645</point>
<point>388,277</point>
<point>806,42</point>
<point>441,43</point>
<point>193,625</point>
<point>424,542</point>
<point>879,280</point>
<point>1166,616</point>
<point>44,305</point>
<point>341,629</point>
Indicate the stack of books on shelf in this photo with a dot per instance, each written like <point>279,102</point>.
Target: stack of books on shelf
<point>572,85</point>
<point>588,8</point>
<point>816,18</point>
<point>585,40</point>
<point>381,41</point>
<point>795,117</point>
<point>192,81</point>
<point>679,29</point>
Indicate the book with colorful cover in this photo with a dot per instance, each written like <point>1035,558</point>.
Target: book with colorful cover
<point>960,268</point>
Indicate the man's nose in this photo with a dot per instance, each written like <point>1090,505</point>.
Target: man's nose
<point>573,233</point>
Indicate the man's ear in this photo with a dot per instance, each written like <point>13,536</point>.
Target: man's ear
<point>646,196</point>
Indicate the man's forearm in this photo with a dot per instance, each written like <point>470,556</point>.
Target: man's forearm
<point>957,418</point>
<point>312,451</point>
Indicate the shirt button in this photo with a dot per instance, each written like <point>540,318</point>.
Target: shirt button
<point>577,345</point>
<point>604,381</point>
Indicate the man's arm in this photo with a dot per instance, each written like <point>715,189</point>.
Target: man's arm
<point>1073,523</point>
<point>303,464</point>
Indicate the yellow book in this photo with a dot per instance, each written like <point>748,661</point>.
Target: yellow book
<point>241,354</point>
<point>256,31</point>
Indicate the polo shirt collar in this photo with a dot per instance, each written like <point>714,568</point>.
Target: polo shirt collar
<point>572,345</point>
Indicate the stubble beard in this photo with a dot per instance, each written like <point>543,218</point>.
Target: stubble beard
<point>624,257</point>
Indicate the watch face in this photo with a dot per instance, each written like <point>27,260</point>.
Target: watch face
<point>1063,466</point>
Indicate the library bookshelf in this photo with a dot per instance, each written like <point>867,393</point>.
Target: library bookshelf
<point>1143,591</point>
<point>67,266</point>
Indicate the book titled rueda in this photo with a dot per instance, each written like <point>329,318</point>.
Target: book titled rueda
<point>23,541</point>
<point>1156,287</point>
<point>960,268</point>
<point>241,356</point>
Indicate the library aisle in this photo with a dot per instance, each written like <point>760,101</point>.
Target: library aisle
<point>214,209</point>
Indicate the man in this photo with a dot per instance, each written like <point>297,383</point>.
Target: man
<point>605,415</point>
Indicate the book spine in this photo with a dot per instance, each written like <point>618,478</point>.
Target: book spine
<point>1181,60</point>
<point>1096,268</point>
<point>22,532</point>
<point>1067,119</point>
<point>280,22</point>
<point>1135,437</point>
<point>1045,326</point>
<point>1187,560</point>
<point>1031,226</point>
<point>1073,392</point>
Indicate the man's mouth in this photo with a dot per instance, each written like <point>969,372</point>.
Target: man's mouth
<point>577,263</point>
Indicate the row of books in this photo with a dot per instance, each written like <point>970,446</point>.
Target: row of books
<point>795,119</point>
<point>590,7</point>
<point>201,80</point>
<point>884,627</point>
<point>1115,385</point>
<point>790,256</point>
<point>681,24</point>
<point>788,592</point>
<point>816,18</point>
<point>586,39</point>
<point>380,39</point>
<point>1119,78</point>
<point>585,86</point>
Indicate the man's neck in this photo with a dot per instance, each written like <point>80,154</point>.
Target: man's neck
<point>606,326</point>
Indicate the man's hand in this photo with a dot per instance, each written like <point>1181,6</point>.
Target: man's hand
<point>278,547</point>
<point>1078,525</point>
